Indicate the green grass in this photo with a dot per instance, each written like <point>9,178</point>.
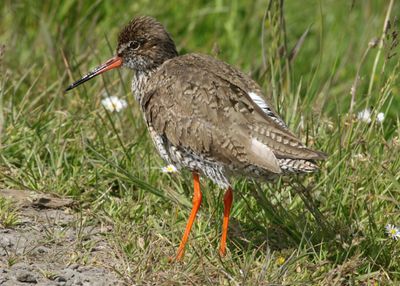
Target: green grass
<point>8,213</point>
<point>323,229</point>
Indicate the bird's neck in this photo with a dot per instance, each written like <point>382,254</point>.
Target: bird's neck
<point>139,82</point>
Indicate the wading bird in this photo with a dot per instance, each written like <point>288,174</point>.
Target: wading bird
<point>204,115</point>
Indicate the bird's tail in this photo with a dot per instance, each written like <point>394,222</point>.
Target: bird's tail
<point>297,166</point>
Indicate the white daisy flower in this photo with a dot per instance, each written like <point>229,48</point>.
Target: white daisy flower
<point>380,117</point>
<point>169,169</point>
<point>113,103</point>
<point>392,231</point>
<point>365,115</point>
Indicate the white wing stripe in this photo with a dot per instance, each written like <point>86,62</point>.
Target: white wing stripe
<point>264,107</point>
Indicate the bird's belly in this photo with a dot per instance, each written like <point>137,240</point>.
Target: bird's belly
<point>182,158</point>
<point>200,163</point>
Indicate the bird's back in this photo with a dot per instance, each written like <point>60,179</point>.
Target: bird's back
<point>210,109</point>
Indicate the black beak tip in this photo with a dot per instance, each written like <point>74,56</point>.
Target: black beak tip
<point>71,86</point>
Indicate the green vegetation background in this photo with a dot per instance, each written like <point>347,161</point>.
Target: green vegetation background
<point>320,62</point>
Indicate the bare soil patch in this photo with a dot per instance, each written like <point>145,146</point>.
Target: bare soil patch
<point>53,245</point>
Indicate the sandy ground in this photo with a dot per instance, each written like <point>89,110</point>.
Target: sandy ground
<point>52,245</point>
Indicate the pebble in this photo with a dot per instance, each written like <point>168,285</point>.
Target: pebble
<point>74,266</point>
<point>6,242</point>
<point>26,277</point>
<point>61,279</point>
<point>42,250</point>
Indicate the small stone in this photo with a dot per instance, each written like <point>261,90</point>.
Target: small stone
<point>74,266</point>
<point>6,242</point>
<point>61,279</point>
<point>26,277</point>
<point>42,250</point>
<point>68,274</point>
<point>78,283</point>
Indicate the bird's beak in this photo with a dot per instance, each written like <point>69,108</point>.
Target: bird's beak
<point>113,63</point>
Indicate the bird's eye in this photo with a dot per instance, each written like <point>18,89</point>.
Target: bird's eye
<point>134,45</point>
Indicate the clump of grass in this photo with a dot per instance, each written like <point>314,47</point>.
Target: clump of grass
<point>8,213</point>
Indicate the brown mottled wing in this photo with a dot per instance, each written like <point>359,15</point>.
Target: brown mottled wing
<point>269,128</point>
<point>203,105</point>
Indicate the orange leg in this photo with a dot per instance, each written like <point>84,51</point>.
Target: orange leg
<point>196,205</point>
<point>228,198</point>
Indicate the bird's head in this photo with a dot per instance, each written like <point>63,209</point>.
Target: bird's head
<point>143,45</point>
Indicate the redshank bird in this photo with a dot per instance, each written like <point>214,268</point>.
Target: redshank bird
<point>205,115</point>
